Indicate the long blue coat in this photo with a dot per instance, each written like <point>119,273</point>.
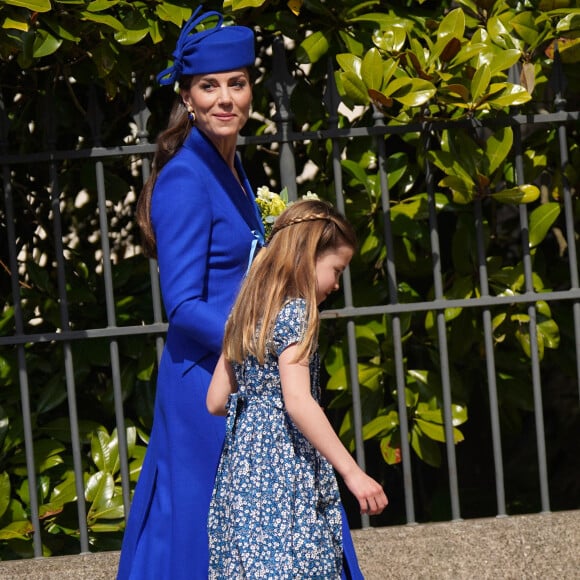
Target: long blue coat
<point>204,223</point>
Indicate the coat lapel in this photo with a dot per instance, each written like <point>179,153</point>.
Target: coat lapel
<point>244,200</point>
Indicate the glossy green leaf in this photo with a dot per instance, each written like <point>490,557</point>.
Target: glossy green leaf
<point>65,491</point>
<point>498,31</point>
<point>437,432</point>
<point>522,335</point>
<point>59,30</point>
<point>550,332</point>
<point>352,43</point>
<point>105,58</point>
<point>390,39</point>
<point>312,48</point>
<point>458,414</point>
<point>18,530</point>
<point>498,146</point>
<point>521,194</point>
<point>243,4</point>
<point>5,489</point>
<point>367,341</point>
<point>354,88</point>
<point>461,191</point>
<point>100,451</point>
<point>503,60</point>
<point>511,96</point>
<point>380,426</point>
<point>168,12</point>
<point>524,23</point>
<point>370,375</point>
<point>14,23</point>
<point>100,5</point>
<point>391,450</point>
<point>135,29</point>
<point>411,92</point>
<point>467,52</point>
<point>33,5</point>
<point>349,63</point>
<point>372,70</point>
<point>357,172</point>
<point>369,246</point>
<point>339,380</point>
<point>453,24</point>
<point>569,26</point>
<point>390,67</point>
<point>99,487</point>
<point>459,163</point>
<point>480,82</point>
<point>105,19</point>
<point>542,219</point>
<point>107,508</point>
<point>425,448</point>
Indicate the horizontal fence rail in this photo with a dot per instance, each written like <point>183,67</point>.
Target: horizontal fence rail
<point>113,330</point>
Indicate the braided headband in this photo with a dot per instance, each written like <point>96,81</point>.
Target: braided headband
<point>217,49</point>
<point>300,220</point>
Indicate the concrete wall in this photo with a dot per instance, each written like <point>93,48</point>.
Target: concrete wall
<point>543,546</point>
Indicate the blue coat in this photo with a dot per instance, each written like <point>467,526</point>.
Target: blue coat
<point>204,223</point>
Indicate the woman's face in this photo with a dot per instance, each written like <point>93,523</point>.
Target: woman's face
<point>221,103</point>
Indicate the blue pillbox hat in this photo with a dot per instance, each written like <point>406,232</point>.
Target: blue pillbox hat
<point>217,49</point>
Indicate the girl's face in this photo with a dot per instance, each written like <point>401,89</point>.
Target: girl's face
<point>221,103</point>
<point>329,266</point>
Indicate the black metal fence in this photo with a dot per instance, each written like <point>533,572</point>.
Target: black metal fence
<point>23,340</point>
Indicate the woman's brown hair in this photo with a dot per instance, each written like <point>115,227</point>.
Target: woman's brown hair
<point>168,142</point>
<point>283,270</point>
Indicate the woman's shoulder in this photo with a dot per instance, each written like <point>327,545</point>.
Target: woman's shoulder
<point>184,164</point>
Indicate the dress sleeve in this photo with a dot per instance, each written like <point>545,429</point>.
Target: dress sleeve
<point>182,216</point>
<point>290,325</point>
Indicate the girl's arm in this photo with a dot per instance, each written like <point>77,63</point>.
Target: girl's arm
<point>310,419</point>
<point>222,385</point>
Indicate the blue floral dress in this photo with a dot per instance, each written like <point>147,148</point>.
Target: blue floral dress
<point>275,510</point>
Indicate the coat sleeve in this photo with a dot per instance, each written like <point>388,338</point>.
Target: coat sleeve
<point>182,218</point>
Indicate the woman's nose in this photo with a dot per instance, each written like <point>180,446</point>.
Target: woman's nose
<point>225,96</point>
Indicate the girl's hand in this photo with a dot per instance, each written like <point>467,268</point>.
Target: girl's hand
<point>369,493</point>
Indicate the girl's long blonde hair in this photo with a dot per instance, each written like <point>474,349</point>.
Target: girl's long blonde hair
<point>283,270</point>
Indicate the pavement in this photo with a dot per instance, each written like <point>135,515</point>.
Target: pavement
<point>545,546</point>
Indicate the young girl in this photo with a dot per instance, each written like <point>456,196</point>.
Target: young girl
<point>275,510</point>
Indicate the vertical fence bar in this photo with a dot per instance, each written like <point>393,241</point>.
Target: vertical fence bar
<point>20,348</point>
<point>490,365</point>
<point>558,83</point>
<point>109,297</point>
<point>441,334</point>
<point>141,116</point>
<point>533,329</point>
<point>396,324</point>
<point>281,85</point>
<point>65,325</point>
<point>332,102</point>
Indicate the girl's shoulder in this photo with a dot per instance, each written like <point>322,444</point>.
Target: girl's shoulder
<point>293,307</point>
<point>291,324</point>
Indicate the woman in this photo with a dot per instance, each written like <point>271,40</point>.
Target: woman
<point>199,218</point>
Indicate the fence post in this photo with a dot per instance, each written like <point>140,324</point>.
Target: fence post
<point>281,85</point>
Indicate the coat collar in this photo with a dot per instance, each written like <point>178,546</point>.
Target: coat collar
<point>244,199</point>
